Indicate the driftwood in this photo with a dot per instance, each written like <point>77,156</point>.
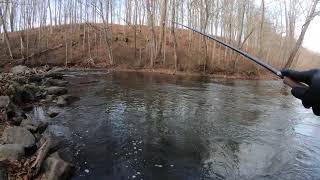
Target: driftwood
<point>41,156</point>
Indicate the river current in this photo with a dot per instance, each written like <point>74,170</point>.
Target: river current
<point>146,126</point>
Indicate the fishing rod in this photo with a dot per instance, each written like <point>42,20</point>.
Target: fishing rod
<point>270,68</point>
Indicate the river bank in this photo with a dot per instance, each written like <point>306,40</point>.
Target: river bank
<point>195,74</point>
<point>28,149</point>
<point>267,76</point>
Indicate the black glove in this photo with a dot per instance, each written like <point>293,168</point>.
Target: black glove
<point>310,96</point>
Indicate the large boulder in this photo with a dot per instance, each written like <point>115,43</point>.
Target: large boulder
<point>11,152</point>
<point>26,93</point>
<point>66,100</point>
<point>10,112</point>
<point>20,69</point>
<point>56,82</point>
<point>34,126</point>
<point>18,135</point>
<point>20,79</point>
<point>36,78</point>
<point>15,121</point>
<point>55,90</point>
<point>56,168</point>
<point>54,75</point>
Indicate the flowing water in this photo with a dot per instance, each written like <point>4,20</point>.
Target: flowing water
<point>144,126</point>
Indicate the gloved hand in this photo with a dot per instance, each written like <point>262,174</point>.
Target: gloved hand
<point>310,96</point>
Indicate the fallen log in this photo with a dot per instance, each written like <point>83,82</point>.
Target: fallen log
<point>41,156</point>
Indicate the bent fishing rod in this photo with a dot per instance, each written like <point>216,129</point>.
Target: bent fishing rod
<point>270,68</point>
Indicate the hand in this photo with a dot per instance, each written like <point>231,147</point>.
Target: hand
<point>310,96</point>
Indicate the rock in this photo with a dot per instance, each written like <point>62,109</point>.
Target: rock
<point>20,69</point>
<point>36,78</point>
<point>61,101</point>
<point>11,152</point>
<point>55,90</point>
<point>26,93</point>
<point>4,101</point>
<point>34,126</point>
<point>56,168</point>
<point>7,109</point>
<point>54,75</point>
<point>27,108</point>
<point>14,111</point>
<point>9,90</point>
<point>52,114</point>
<point>66,100</point>
<point>49,98</point>
<point>18,135</point>
<point>10,112</point>
<point>15,121</point>
<point>3,115</point>
<point>55,82</point>
<point>20,79</point>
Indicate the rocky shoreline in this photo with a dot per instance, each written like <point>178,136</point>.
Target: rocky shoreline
<point>27,150</point>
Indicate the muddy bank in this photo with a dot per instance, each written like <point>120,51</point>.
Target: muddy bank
<point>267,76</point>
<point>28,150</point>
<point>194,74</point>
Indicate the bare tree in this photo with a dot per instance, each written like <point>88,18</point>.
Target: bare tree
<point>162,26</point>
<point>106,35</point>
<point>175,46</point>
<point>6,36</point>
<point>312,13</point>
<point>152,31</point>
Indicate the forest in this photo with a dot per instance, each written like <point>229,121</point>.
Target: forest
<point>141,34</point>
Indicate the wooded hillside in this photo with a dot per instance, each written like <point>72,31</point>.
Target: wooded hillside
<point>141,33</point>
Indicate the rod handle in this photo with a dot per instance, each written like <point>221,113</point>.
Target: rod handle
<point>294,84</point>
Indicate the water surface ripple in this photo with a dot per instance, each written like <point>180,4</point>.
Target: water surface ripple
<point>144,126</point>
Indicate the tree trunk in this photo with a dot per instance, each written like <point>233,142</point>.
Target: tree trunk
<point>135,28</point>
<point>153,34</point>
<point>107,39</point>
<point>162,26</point>
<point>260,51</point>
<point>175,46</point>
<point>299,42</point>
<point>241,22</point>
<point>6,37</point>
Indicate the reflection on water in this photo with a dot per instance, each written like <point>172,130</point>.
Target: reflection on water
<point>136,126</point>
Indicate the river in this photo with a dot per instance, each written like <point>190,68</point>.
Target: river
<point>145,126</point>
